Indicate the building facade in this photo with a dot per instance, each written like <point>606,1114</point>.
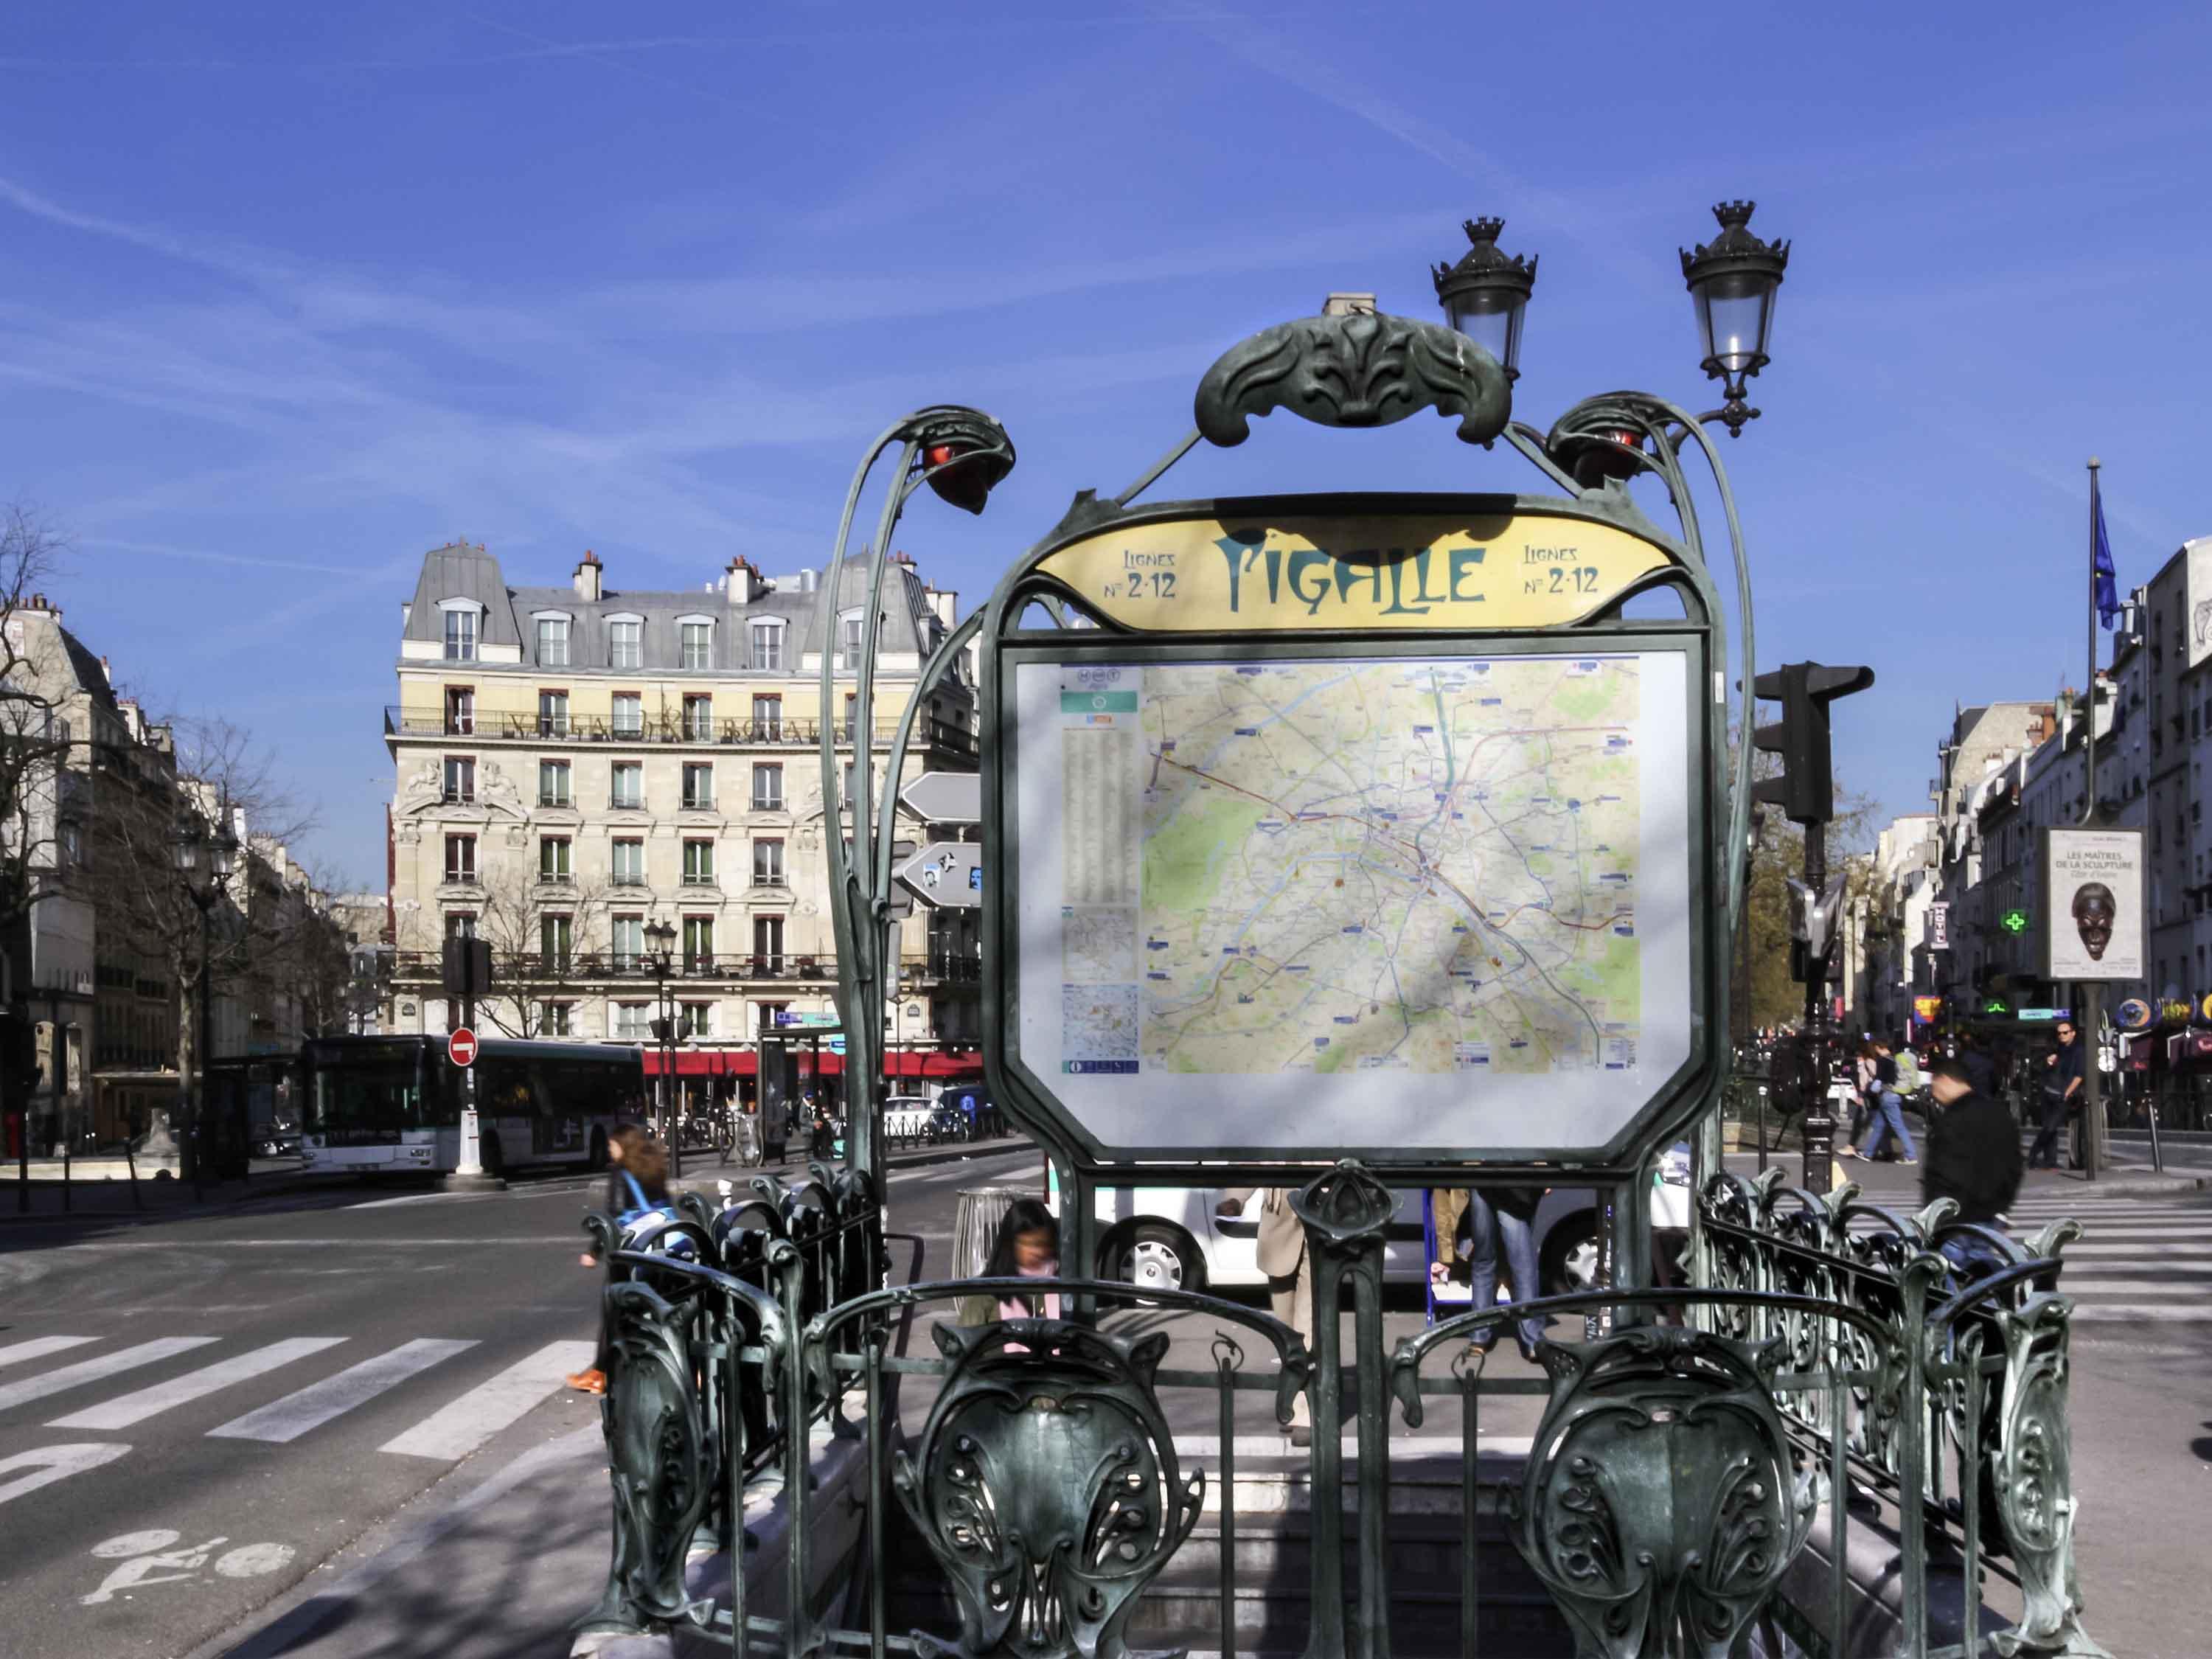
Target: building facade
<point>581,769</point>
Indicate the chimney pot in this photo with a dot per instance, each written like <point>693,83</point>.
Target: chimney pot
<point>589,577</point>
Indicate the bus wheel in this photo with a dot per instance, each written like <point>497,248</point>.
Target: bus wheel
<point>597,1160</point>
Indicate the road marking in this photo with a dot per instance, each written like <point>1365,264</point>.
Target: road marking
<point>458,1429</point>
<point>284,1420</point>
<point>40,1346</point>
<point>50,1463</point>
<point>131,1408</point>
<point>2164,1252</point>
<point>91,1370</point>
<point>2163,1313</point>
<point>2184,1279</point>
<point>177,1245</point>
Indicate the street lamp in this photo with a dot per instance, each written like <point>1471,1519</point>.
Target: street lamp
<point>1733,280</point>
<point>662,936</point>
<point>195,847</point>
<point>1486,294</point>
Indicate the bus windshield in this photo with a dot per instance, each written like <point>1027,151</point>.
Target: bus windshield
<point>360,1094</point>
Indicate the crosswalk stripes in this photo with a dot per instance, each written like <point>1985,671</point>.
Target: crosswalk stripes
<point>95,1369</point>
<point>2143,1259</point>
<point>458,1429</point>
<point>283,1421</point>
<point>194,1385</point>
<point>39,1347</point>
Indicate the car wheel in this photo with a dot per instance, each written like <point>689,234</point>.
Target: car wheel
<point>1570,1258</point>
<point>1156,1258</point>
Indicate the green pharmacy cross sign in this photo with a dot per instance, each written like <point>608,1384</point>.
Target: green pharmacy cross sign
<point>2013,922</point>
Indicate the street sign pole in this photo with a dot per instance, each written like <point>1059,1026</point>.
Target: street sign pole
<point>468,976</point>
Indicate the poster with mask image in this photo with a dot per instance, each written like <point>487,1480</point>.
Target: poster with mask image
<point>2094,920</point>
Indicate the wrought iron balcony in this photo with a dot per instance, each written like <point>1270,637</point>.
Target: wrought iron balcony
<point>929,735</point>
<point>577,968</point>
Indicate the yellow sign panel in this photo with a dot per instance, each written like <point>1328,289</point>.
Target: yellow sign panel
<point>1360,572</point>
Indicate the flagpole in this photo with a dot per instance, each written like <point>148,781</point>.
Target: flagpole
<point>2089,1015</point>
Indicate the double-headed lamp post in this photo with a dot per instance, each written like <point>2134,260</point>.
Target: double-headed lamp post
<point>661,936</point>
<point>203,854</point>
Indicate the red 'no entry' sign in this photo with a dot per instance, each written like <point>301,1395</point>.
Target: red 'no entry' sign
<point>461,1047</point>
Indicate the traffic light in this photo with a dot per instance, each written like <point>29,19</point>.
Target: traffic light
<point>1806,790</point>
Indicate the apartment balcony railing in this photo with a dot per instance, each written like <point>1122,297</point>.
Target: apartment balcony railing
<point>698,803</point>
<point>939,736</point>
<point>765,803</point>
<point>570,967</point>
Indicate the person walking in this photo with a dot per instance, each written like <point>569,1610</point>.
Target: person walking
<point>1283,1256</point>
<point>632,1168</point>
<point>1496,1227</point>
<point>1981,1070</point>
<point>1887,1110</point>
<point>1973,1159</point>
<point>2064,1078</point>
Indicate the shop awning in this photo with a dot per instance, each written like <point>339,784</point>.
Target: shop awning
<point>703,1062</point>
<point>745,1062</point>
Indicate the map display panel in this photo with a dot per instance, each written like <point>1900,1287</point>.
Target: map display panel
<point>1307,903</point>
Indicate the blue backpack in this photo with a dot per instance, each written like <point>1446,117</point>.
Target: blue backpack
<point>641,1215</point>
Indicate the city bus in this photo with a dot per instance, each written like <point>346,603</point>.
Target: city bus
<point>389,1103</point>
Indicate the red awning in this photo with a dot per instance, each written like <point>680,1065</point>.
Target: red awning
<point>745,1062</point>
<point>703,1062</point>
<point>967,1063</point>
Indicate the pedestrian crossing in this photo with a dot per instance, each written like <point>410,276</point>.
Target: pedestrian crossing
<point>2139,1259</point>
<point>460,1414</point>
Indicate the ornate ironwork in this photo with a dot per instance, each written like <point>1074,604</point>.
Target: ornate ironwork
<point>1046,1487</point>
<point>1662,1500</point>
<point>1360,370</point>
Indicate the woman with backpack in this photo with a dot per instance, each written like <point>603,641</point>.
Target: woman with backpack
<point>1888,1111</point>
<point>637,1179</point>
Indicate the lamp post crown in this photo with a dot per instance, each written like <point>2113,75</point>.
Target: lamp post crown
<point>1486,262</point>
<point>1735,248</point>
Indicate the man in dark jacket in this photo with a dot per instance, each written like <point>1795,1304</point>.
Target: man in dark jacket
<point>1973,1148</point>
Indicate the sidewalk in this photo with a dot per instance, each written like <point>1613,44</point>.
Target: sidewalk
<point>1898,1180</point>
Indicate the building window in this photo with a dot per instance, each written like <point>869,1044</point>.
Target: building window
<point>553,783</point>
<point>460,711</point>
<point>698,719</point>
<point>698,644</point>
<point>767,787</point>
<point>552,713</point>
<point>768,864</point>
<point>768,944</point>
<point>630,784</point>
<point>699,864</point>
<point>767,719</point>
<point>556,1019</point>
<point>767,646</point>
<point>630,864</point>
<point>460,780</point>
<point>698,788</point>
<point>633,1021</point>
<point>556,939</point>
<point>848,642</point>
<point>623,647</point>
<point>553,857</point>
<point>460,636</point>
<point>628,941</point>
<point>770,1013</point>
<point>851,723</point>
<point>460,858</point>
<point>696,1019</point>
<point>628,714</point>
<point>460,924</point>
<point>552,641</point>
<point>698,944</point>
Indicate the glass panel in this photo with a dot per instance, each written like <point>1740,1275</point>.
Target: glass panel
<point>698,941</point>
<point>552,713</point>
<point>767,788</point>
<point>698,788</point>
<point>622,649</point>
<point>629,862</point>
<point>767,646</point>
<point>1736,312</point>
<point>628,714</point>
<point>1491,320</point>
<point>768,719</point>
<point>695,638</point>
<point>767,863</point>
<point>630,938</point>
<point>553,641</point>
<point>552,783</point>
<point>461,636</point>
<point>699,719</point>
<point>630,784</point>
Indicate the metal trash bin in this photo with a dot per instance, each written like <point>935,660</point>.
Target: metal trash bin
<point>976,1225</point>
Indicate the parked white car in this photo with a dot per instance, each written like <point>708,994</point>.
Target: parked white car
<point>906,1117</point>
<point>1171,1237</point>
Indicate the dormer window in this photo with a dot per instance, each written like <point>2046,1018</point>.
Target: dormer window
<point>848,640</point>
<point>696,637</point>
<point>461,635</point>
<point>625,647</point>
<point>552,641</point>
<point>767,645</point>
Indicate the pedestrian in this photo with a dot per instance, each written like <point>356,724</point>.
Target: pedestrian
<point>1886,1111</point>
<point>2065,1070</point>
<point>1973,1159</point>
<point>1283,1256</point>
<point>630,1169</point>
<point>1498,1225</point>
<point>822,1132</point>
<point>1981,1070</point>
<point>1027,1246</point>
<point>1863,1096</point>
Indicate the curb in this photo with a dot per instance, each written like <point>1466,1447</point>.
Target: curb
<point>180,1210</point>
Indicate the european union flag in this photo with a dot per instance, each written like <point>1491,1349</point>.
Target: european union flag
<point>2107,579</point>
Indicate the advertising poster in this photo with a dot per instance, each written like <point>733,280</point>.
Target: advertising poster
<point>2093,914</point>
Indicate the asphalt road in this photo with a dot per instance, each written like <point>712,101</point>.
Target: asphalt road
<point>195,1414</point>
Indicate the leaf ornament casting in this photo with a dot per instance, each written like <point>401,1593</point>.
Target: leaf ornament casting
<point>1361,370</point>
<point>1046,1484</point>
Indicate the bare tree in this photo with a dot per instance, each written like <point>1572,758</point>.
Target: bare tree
<point>35,738</point>
<point>532,962</point>
<point>153,849</point>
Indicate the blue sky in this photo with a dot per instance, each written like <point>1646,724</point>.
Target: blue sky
<point>290,294</point>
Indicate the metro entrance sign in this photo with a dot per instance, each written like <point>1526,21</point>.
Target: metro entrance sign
<point>1354,826</point>
<point>461,1048</point>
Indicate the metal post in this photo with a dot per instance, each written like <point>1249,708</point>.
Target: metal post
<point>194,1144</point>
<point>2089,995</point>
<point>1820,1126</point>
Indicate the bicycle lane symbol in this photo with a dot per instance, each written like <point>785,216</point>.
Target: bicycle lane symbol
<point>150,1558</point>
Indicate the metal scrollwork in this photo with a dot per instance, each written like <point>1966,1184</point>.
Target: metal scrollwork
<point>2034,1486</point>
<point>1361,370</point>
<point>1662,1502</point>
<point>1046,1484</point>
<point>661,1457</point>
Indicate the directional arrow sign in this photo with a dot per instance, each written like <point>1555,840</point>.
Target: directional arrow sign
<point>946,797</point>
<point>948,874</point>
